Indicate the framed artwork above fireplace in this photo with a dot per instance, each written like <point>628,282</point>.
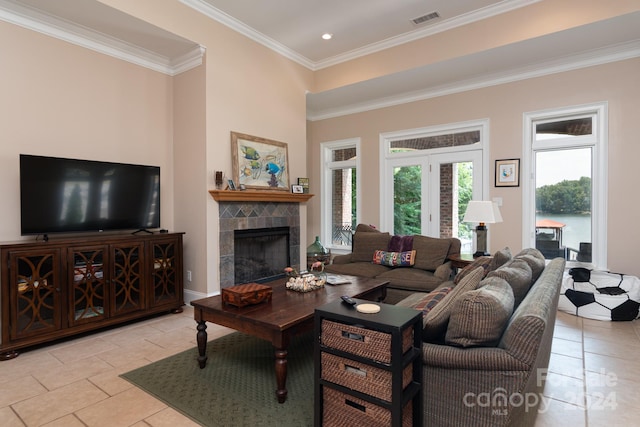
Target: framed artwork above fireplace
<point>260,163</point>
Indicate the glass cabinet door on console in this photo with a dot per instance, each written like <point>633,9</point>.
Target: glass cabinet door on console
<point>34,293</point>
<point>89,291</point>
<point>166,268</point>
<point>126,278</point>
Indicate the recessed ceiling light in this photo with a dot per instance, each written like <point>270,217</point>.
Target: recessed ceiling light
<point>327,36</point>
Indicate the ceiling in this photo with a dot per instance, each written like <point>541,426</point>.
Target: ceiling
<point>359,27</point>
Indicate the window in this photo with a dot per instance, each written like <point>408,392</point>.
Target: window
<point>565,197</point>
<point>339,192</point>
<point>428,177</point>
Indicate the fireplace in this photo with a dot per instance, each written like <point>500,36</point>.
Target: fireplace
<point>234,216</point>
<point>260,254</point>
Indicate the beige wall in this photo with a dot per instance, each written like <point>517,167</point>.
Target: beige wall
<point>504,105</point>
<point>61,99</point>
<point>58,99</point>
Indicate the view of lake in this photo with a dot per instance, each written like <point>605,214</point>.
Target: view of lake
<point>578,228</point>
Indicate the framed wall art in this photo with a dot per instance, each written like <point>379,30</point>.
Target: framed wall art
<point>260,163</point>
<point>508,173</point>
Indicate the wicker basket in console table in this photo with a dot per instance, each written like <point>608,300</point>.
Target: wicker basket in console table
<point>367,366</point>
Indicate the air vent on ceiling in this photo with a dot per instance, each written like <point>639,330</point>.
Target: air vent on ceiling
<point>424,18</point>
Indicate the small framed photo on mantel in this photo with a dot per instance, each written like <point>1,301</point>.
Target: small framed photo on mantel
<point>304,183</point>
<point>297,189</point>
<point>508,173</point>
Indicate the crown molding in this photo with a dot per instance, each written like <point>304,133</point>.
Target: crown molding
<point>238,26</point>
<point>46,24</point>
<point>619,52</point>
<point>206,9</point>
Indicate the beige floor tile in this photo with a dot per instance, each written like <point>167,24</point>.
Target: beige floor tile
<point>124,409</point>
<point>566,319</point>
<point>558,413</point>
<point>566,365</point>
<point>625,335</point>
<point>19,389</point>
<point>624,349</point>
<point>170,418</point>
<point>8,418</point>
<point>564,388</point>
<point>623,368</point>
<point>567,333</point>
<point>71,372</point>
<point>566,347</point>
<point>82,349</point>
<point>110,381</point>
<point>58,403</point>
<point>140,349</point>
<point>66,421</point>
<point>26,364</point>
<point>608,392</point>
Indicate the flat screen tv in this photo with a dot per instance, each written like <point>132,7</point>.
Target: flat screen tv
<point>60,195</point>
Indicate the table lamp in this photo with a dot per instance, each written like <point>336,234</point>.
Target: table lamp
<point>482,212</point>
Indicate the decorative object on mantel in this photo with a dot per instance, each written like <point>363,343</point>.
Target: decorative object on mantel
<point>305,184</point>
<point>260,163</point>
<point>258,196</point>
<point>297,189</point>
<point>219,180</point>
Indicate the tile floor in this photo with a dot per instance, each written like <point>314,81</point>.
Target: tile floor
<point>592,381</point>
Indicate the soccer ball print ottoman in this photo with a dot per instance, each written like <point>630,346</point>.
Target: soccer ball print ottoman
<point>600,295</point>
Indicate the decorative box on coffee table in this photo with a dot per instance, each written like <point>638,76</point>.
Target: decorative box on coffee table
<point>368,369</point>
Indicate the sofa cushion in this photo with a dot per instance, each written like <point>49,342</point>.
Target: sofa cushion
<point>517,273</point>
<point>431,252</point>
<point>535,259</point>
<point>366,243</point>
<point>394,259</point>
<point>483,261</point>
<point>480,316</point>
<point>435,322</point>
<point>427,303</point>
<point>500,258</point>
<point>362,269</point>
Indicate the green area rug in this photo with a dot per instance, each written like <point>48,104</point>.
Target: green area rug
<point>237,387</point>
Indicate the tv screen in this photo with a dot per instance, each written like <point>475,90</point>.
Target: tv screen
<point>69,195</point>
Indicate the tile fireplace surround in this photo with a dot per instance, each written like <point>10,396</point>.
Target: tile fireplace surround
<point>249,215</point>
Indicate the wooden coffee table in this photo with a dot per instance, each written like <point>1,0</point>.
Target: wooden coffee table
<point>287,314</point>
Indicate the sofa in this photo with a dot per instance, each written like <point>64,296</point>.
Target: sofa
<point>487,340</point>
<point>410,263</point>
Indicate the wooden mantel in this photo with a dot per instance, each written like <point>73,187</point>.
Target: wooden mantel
<point>259,196</point>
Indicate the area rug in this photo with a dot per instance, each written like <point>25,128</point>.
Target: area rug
<point>237,386</point>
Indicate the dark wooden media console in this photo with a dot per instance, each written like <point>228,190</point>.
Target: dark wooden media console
<point>63,287</point>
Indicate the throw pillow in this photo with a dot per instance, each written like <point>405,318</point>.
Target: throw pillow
<point>394,259</point>
<point>430,252</point>
<point>427,303</point>
<point>483,261</point>
<point>517,274</point>
<point>500,258</point>
<point>400,243</point>
<point>535,259</point>
<point>365,243</point>
<point>435,322</point>
<point>480,316</point>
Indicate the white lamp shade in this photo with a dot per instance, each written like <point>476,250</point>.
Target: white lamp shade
<point>482,211</point>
